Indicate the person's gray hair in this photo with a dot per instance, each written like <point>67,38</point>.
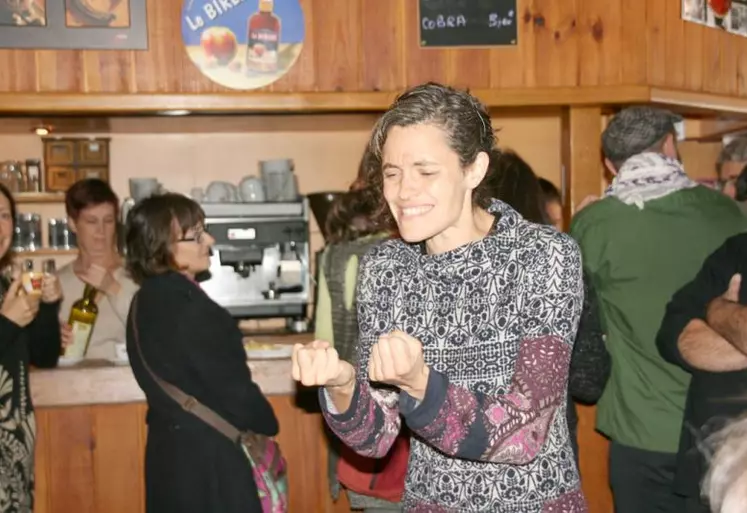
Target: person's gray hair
<point>725,484</point>
<point>735,151</point>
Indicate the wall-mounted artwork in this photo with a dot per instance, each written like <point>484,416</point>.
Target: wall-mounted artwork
<point>728,15</point>
<point>74,24</point>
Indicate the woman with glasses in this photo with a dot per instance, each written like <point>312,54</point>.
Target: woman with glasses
<point>92,211</point>
<point>189,341</point>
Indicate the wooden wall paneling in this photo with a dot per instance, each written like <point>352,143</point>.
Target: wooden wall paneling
<point>383,45</point>
<point>694,53</point>
<point>109,71</point>
<point>468,68</point>
<point>422,65</point>
<point>556,43</point>
<point>337,49</point>
<point>118,488</point>
<point>741,73</point>
<point>302,76</point>
<point>655,13</point>
<point>156,70</point>
<point>502,62</point>
<point>70,463</point>
<point>599,43</point>
<point>610,28</point>
<point>727,50</point>
<point>674,33</point>
<point>59,70</point>
<point>712,58</point>
<point>633,64</point>
<point>18,70</point>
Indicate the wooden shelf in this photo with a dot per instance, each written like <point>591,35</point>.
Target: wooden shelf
<point>39,197</point>
<point>46,252</point>
<point>308,102</point>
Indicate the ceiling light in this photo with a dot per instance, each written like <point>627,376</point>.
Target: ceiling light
<point>175,112</point>
<point>41,130</point>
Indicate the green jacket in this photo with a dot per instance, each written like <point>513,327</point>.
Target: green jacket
<point>637,259</point>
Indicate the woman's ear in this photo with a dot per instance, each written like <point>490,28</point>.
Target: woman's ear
<point>476,171</point>
<point>71,225</point>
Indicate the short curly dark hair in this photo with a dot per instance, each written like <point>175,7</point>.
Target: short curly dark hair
<point>153,225</point>
<point>463,118</point>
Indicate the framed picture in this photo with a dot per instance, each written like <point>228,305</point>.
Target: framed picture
<point>74,24</point>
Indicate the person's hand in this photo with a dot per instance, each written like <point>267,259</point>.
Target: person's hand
<point>588,200</point>
<point>51,289</point>
<point>19,309</point>
<point>397,359</point>
<point>66,331</point>
<point>729,297</point>
<point>318,364</point>
<point>101,279</point>
<point>732,291</point>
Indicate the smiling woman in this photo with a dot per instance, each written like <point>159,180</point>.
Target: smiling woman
<point>29,335</point>
<point>466,324</point>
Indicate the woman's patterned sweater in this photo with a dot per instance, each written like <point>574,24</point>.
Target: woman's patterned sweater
<point>497,319</point>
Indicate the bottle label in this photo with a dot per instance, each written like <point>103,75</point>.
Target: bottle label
<point>81,334</point>
<point>262,49</point>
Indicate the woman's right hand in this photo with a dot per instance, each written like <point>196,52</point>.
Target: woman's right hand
<point>318,364</point>
<point>19,309</point>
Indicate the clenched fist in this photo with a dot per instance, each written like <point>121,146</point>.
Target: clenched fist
<point>317,364</point>
<point>397,359</point>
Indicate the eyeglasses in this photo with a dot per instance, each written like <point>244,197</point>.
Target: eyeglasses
<point>198,237</point>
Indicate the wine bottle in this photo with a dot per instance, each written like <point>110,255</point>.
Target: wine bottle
<point>82,319</point>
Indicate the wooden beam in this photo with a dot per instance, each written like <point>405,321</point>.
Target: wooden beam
<point>264,102</point>
<point>705,103</point>
<point>712,130</point>
<point>581,155</point>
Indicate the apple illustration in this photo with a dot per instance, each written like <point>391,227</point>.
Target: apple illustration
<point>720,7</point>
<point>219,44</point>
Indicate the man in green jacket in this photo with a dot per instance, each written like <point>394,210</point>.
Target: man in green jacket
<point>641,242</point>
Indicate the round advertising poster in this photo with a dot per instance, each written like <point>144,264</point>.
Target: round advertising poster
<point>243,44</point>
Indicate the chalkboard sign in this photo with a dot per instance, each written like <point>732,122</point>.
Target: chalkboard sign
<point>467,23</point>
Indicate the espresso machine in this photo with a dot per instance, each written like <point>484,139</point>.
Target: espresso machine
<point>259,267</point>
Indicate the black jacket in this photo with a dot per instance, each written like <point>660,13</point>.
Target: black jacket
<point>714,398</point>
<point>193,343</point>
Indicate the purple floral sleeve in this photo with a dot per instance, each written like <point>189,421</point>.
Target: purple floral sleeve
<point>506,428</point>
<point>372,422</point>
<point>512,427</point>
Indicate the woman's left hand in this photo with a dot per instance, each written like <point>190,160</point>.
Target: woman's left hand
<point>51,289</point>
<point>397,359</point>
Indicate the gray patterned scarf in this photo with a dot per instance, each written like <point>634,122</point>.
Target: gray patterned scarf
<point>648,176</point>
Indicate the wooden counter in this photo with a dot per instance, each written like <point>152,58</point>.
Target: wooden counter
<point>92,433</point>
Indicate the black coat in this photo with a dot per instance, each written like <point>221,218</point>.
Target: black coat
<point>193,343</point>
